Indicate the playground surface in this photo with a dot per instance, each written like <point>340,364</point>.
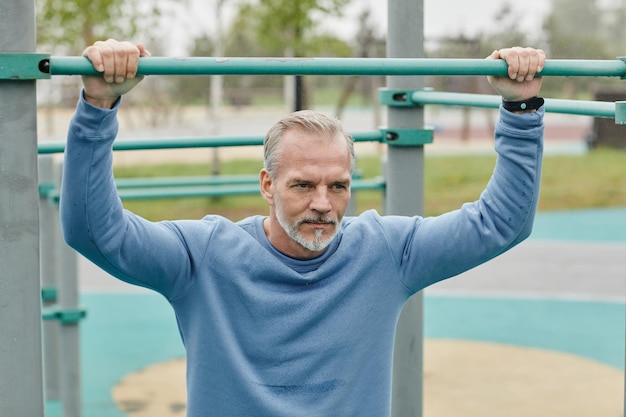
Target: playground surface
<point>538,331</point>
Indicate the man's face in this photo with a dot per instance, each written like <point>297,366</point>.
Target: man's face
<point>310,193</point>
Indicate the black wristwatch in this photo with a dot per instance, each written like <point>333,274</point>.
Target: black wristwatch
<point>523,106</point>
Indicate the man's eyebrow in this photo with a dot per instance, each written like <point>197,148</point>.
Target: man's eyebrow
<point>301,180</point>
<point>298,180</point>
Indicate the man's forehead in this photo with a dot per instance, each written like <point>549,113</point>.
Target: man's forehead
<point>300,139</point>
<point>306,155</point>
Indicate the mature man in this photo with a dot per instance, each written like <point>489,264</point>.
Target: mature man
<point>294,313</point>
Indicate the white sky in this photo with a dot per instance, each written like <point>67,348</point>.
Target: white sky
<point>441,17</point>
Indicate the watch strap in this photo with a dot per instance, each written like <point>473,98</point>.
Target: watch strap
<point>529,104</point>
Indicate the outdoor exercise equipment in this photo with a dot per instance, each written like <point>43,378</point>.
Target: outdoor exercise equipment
<point>21,367</point>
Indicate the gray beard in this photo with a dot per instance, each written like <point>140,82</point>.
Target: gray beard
<point>316,244</point>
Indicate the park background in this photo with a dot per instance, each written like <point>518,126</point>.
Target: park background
<point>562,292</point>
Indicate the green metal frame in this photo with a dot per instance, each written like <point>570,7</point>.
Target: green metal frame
<point>18,66</point>
<point>396,98</point>
<point>620,112</point>
<point>49,294</point>
<point>65,316</point>
<point>402,137</point>
<point>408,137</point>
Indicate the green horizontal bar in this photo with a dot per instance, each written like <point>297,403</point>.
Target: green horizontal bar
<point>220,191</point>
<point>215,180</point>
<point>605,109</point>
<point>164,143</point>
<point>340,66</point>
<point>371,184</point>
<point>179,181</point>
<point>193,142</point>
<point>190,181</point>
<point>179,190</point>
<point>577,107</point>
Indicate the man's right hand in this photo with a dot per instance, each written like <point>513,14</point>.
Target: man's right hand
<point>118,62</point>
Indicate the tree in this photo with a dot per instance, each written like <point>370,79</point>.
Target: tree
<point>290,25</point>
<point>614,29</point>
<point>70,25</point>
<point>368,45</point>
<point>506,31</point>
<point>572,33</point>
<point>572,30</point>
<point>194,90</point>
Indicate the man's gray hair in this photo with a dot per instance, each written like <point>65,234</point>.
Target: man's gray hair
<point>306,121</point>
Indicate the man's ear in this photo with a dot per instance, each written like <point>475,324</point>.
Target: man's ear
<point>267,189</point>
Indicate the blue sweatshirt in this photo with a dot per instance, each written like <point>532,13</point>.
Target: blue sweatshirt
<point>269,335</point>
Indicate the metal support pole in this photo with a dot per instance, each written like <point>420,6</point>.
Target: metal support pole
<point>405,196</point>
<point>21,373</point>
<point>217,86</point>
<point>49,240</point>
<point>69,343</point>
<point>69,338</point>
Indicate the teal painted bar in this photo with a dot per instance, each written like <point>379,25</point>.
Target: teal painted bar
<point>221,182</point>
<point>221,191</point>
<point>429,97</point>
<point>340,66</point>
<point>575,107</point>
<point>581,107</point>
<point>215,180</point>
<point>179,191</point>
<point>165,143</point>
<point>193,142</point>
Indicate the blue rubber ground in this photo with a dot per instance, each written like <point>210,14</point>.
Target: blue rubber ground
<point>126,332</point>
<point>592,225</point>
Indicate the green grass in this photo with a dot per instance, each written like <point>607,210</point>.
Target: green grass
<point>596,179</point>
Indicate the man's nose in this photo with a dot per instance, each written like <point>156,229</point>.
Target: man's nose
<point>321,201</point>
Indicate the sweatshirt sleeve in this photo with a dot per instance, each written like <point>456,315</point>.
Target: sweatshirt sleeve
<point>447,245</point>
<point>93,221</point>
